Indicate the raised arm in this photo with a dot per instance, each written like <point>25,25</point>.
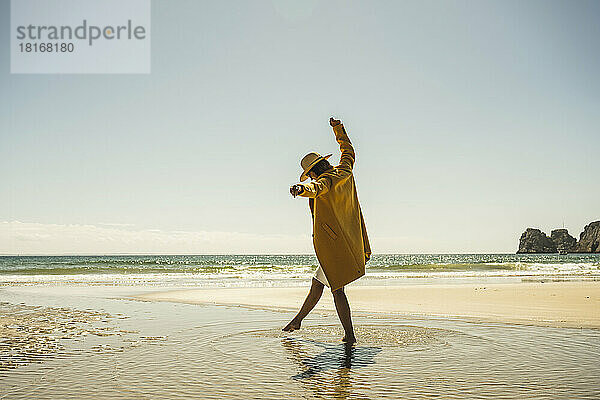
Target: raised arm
<point>348,156</point>
<point>323,184</point>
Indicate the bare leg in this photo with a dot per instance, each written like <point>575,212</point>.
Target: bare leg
<point>316,290</point>
<point>343,311</point>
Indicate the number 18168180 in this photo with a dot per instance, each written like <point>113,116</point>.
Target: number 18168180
<point>47,47</point>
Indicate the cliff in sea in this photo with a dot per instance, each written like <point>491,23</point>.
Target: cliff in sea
<point>560,241</point>
<point>564,242</point>
<point>535,241</point>
<point>589,240</point>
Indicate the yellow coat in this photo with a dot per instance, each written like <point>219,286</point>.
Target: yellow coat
<point>339,232</point>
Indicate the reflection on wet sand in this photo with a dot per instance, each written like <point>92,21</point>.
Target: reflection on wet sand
<point>336,358</point>
<point>340,356</point>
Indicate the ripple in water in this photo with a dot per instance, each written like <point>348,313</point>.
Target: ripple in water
<point>368,335</point>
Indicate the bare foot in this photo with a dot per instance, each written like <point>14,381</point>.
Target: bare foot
<point>292,326</point>
<point>349,339</point>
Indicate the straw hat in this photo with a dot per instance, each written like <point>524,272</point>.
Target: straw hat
<point>309,161</point>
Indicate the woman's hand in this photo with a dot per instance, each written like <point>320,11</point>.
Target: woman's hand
<point>334,122</point>
<point>295,190</point>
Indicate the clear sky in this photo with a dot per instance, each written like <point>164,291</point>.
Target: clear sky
<point>471,120</point>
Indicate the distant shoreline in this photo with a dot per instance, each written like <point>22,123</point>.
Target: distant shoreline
<point>556,304</point>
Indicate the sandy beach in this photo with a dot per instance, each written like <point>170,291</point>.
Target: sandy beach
<point>559,304</point>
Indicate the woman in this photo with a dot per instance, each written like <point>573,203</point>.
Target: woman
<point>339,233</point>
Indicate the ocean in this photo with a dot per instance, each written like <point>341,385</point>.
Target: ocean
<point>288,270</point>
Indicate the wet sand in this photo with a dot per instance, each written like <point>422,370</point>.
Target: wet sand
<point>88,343</point>
<point>558,304</point>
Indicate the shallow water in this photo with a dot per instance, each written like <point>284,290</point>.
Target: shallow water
<point>167,350</point>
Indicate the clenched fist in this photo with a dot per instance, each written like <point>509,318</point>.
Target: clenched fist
<point>334,122</point>
<point>295,190</point>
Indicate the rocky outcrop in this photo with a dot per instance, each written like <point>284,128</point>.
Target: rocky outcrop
<point>589,240</point>
<point>535,241</point>
<point>564,242</point>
